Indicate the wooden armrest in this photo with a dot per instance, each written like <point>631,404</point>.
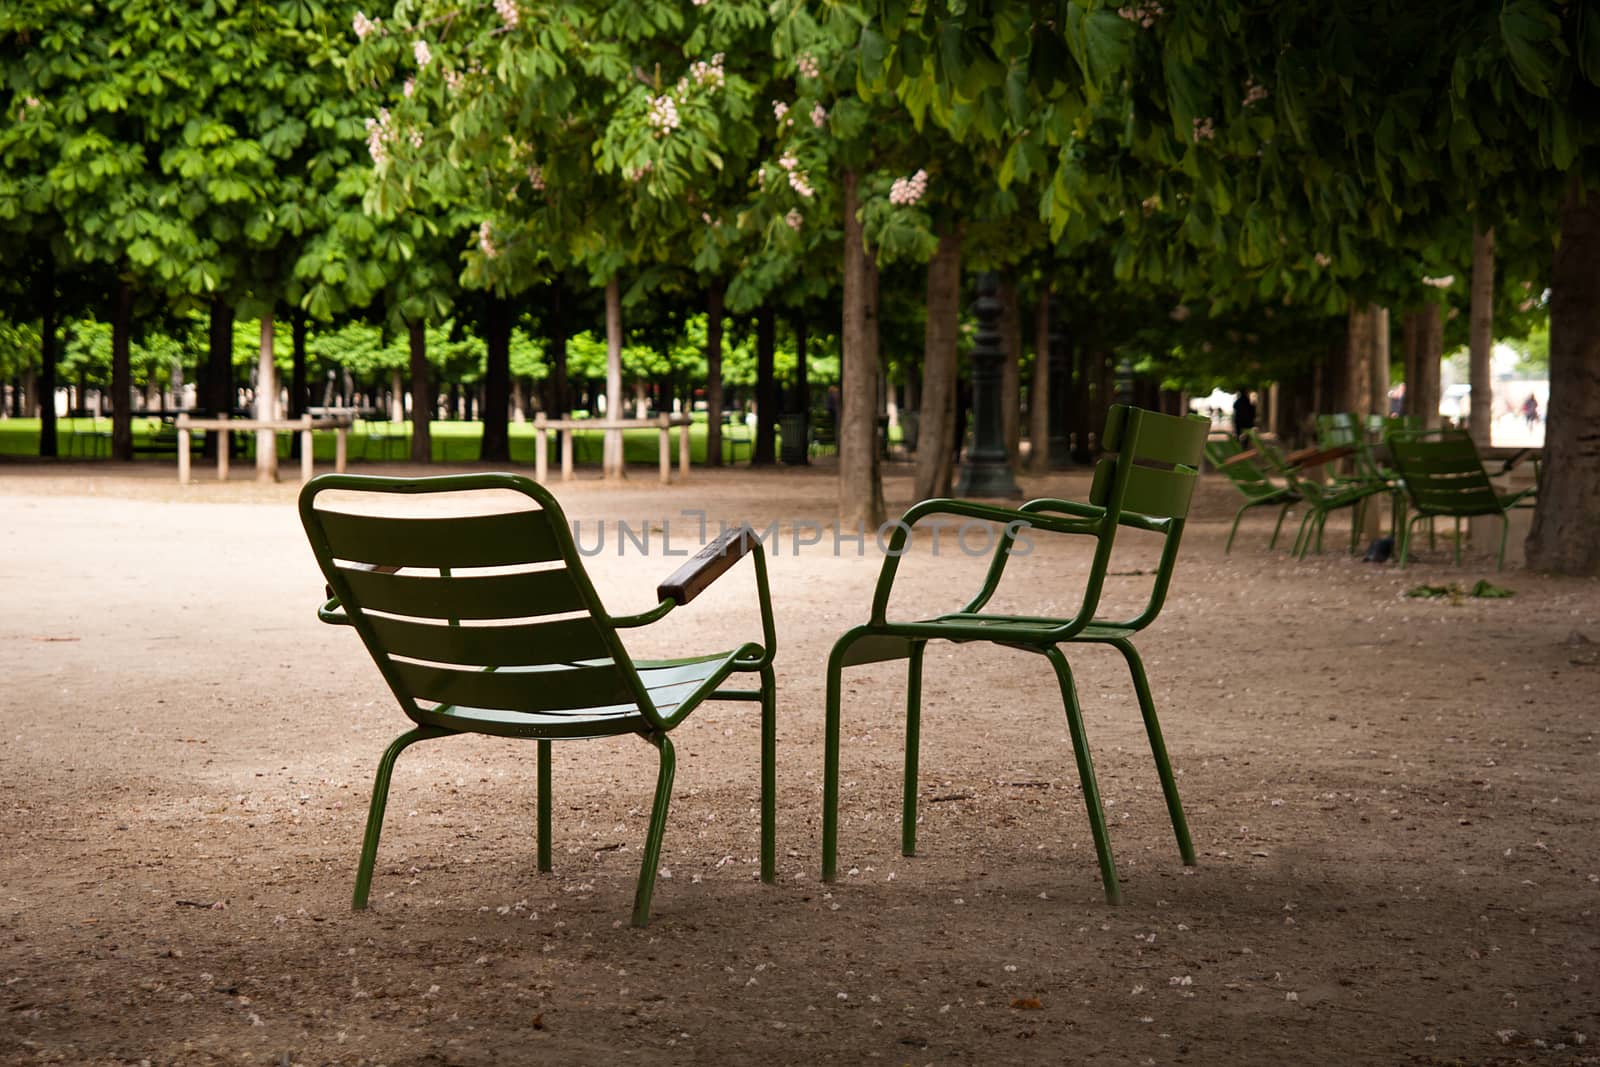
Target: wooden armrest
<point>706,566</point>
<point>1316,457</point>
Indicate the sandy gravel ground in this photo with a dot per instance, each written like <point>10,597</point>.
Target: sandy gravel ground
<point>1394,800</point>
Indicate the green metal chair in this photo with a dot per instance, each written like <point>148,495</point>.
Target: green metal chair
<point>484,622</point>
<point>1321,498</point>
<point>1259,490</point>
<point>1146,485</point>
<point>1445,478</point>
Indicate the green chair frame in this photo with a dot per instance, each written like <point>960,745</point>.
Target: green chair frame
<point>1146,485</point>
<point>1259,490</point>
<point>1321,498</point>
<point>1445,478</point>
<point>487,623</point>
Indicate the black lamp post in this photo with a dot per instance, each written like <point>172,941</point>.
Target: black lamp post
<point>1061,390</point>
<point>986,471</point>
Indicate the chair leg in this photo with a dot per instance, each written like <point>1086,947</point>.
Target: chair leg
<point>1279,525</point>
<point>769,774</point>
<point>1300,538</point>
<point>1405,539</point>
<point>380,799</point>
<point>1158,748</point>
<point>1458,540</point>
<point>544,805</point>
<point>1228,547</point>
<point>1091,789</point>
<point>908,805</point>
<point>830,761</point>
<point>1505,529</point>
<point>658,823</point>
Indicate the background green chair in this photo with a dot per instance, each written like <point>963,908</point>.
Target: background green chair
<point>1444,477</point>
<point>1259,490</point>
<point>486,623</point>
<point>1321,498</point>
<point>1146,485</point>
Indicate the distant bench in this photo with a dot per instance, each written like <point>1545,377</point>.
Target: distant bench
<point>339,424</point>
<point>542,428</point>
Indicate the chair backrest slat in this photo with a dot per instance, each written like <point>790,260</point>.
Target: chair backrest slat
<point>546,592</point>
<point>495,540</point>
<point>553,690</point>
<point>559,641</point>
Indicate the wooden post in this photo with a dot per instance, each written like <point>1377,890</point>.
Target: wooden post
<point>665,450</point>
<point>305,449</point>
<point>341,448</point>
<point>566,454</point>
<point>224,446</point>
<point>541,449</point>
<point>683,449</point>
<point>183,450</point>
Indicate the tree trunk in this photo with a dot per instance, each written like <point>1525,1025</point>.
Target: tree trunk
<point>1378,397</point>
<point>1424,399</point>
<point>421,394</point>
<point>217,398</point>
<point>1411,328</point>
<point>47,362</point>
<point>860,484</point>
<point>801,401</point>
<point>299,389</point>
<point>495,410</point>
<point>1039,393</point>
<point>559,396</point>
<point>614,403</point>
<point>266,404</point>
<point>936,437</point>
<point>1359,357</point>
<point>297,376</point>
<point>1563,536</point>
<point>1011,371</point>
<point>121,375</point>
<point>714,375</point>
<point>766,450</point>
<point>1480,423</point>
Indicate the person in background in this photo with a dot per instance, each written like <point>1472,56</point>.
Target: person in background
<point>1244,415</point>
<point>1530,410</point>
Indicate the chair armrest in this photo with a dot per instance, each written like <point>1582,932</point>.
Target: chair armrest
<point>1014,521</point>
<point>706,566</point>
<point>709,564</point>
<point>1046,505</point>
<point>331,612</point>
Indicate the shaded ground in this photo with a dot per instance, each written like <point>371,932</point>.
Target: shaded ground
<point>1394,800</point>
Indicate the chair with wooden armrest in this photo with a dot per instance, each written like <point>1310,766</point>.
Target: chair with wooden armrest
<point>482,620</point>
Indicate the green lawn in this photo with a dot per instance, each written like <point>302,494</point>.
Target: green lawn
<point>452,442</point>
